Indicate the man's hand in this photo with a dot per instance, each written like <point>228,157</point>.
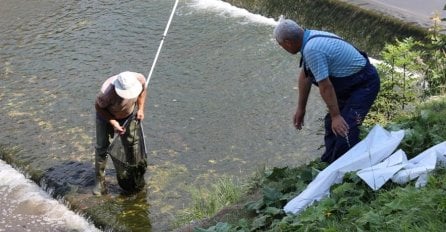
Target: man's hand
<point>304,86</point>
<point>299,119</point>
<point>118,128</point>
<point>339,126</point>
<point>140,115</point>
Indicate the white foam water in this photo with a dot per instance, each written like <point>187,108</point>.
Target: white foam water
<point>24,206</point>
<point>226,9</point>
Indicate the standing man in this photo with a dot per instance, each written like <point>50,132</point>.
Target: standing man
<point>114,104</point>
<point>347,83</point>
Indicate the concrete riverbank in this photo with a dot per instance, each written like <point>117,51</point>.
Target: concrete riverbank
<point>417,12</point>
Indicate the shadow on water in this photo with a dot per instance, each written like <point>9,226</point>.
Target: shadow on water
<point>69,176</point>
<point>116,211</point>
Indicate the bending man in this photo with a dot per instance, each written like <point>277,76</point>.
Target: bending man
<point>347,83</point>
<point>114,104</point>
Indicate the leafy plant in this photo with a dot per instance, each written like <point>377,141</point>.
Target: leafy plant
<point>411,71</point>
<point>424,127</point>
<point>399,78</point>
<point>436,58</point>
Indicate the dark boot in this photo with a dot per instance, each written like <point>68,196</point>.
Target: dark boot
<point>100,188</point>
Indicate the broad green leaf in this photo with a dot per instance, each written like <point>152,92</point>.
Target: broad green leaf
<point>271,195</point>
<point>273,211</point>
<point>259,222</point>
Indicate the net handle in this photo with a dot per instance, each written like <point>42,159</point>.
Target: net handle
<point>161,44</point>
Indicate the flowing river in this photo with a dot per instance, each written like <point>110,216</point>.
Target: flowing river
<point>220,101</point>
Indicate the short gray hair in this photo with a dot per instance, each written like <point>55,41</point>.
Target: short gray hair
<point>286,29</point>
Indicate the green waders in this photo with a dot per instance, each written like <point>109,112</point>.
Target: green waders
<point>104,132</point>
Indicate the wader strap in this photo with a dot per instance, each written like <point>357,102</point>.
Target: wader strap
<point>308,72</point>
<point>328,36</point>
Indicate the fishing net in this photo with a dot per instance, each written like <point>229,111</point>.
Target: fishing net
<point>129,156</point>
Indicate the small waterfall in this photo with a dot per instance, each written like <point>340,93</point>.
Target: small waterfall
<point>31,208</point>
<point>367,30</point>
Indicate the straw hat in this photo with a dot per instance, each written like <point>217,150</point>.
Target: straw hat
<point>127,85</point>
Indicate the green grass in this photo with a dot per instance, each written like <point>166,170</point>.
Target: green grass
<point>207,201</point>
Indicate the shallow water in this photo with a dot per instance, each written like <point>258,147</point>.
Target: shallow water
<point>220,101</point>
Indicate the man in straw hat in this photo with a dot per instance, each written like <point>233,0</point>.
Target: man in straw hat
<point>114,104</point>
<point>347,83</point>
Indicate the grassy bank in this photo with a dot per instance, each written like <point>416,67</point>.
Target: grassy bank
<point>352,206</point>
<point>367,30</point>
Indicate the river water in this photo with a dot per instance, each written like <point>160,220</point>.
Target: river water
<point>220,101</point>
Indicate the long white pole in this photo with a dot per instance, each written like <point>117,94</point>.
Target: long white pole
<point>161,43</point>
